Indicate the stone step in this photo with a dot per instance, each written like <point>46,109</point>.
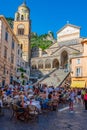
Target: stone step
<point>55,78</point>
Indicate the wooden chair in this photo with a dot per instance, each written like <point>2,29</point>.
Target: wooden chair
<point>33,112</point>
<point>18,112</point>
<point>55,104</point>
<point>50,105</point>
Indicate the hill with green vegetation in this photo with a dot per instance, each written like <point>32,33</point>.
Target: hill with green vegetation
<point>41,41</point>
<point>10,21</point>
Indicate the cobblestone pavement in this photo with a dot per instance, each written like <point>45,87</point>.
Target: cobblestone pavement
<point>60,120</point>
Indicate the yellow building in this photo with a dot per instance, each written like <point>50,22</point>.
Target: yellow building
<point>22,28</point>
<point>79,68</point>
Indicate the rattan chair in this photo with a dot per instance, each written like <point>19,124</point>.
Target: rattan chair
<point>33,112</point>
<point>55,104</point>
<point>18,112</point>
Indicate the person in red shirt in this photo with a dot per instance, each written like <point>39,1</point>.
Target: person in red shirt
<point>85,100</point>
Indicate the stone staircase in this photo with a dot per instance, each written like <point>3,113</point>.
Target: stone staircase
<point>40,73</point>
<point>36,73</point>
<point>55,78</point>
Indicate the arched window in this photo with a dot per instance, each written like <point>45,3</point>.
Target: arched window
<point>47,64</point>
<point>34,66</point>
<point>22,17</point>
<point>40,64</point>
<point>64,59</point>
<point>17,18</point>
<point>55,63</point>
<point>20,29</point>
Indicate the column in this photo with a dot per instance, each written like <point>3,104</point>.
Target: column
<point>51,64</point>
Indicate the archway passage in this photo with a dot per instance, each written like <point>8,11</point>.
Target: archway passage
<point>40,64</point>
<point>55,63</point>
<point>47,64</point>
<point>64,60</point>
<point>34,66</point>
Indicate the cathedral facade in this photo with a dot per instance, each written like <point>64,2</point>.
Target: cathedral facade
<point>64,54</point>
<point>59,55</point>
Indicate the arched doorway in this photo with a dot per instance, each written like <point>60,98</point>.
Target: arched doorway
<point>47,64</point>
<point>40,64</point>
<point>55,63</point>
<point>34,66</point>
<point>64,60</point>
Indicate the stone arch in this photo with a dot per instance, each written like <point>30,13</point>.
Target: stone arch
<point>40,64</point>
<point>22,17</point>
<point>17,16</point>
<point>47,64</point>
<point>34,66</point>
<point>55,63</point>
<point>21,26</point>
<point>64,59</point>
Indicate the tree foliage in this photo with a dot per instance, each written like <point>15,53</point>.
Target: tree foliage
<point>40,41</point>
<point>10,21</point>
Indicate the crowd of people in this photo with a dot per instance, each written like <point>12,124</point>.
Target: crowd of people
<point>40,95</point>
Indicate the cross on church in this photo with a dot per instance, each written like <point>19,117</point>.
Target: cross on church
<point>24,2</point>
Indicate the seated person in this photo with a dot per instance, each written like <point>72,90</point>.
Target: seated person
<point>35,103</point>
<point>54,97</point>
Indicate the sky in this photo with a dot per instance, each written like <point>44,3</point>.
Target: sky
<point>50,15</point>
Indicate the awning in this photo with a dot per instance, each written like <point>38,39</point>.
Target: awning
<point>78,84</point>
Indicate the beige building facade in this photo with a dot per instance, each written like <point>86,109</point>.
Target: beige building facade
<point>79,68</point>
<point>11,60</point>
<point>15,48</point>
<point>8,42</point>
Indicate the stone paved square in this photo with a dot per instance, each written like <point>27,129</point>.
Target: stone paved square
<point>59,120</point>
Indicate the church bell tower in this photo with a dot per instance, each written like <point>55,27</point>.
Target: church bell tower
<point>22,29</point>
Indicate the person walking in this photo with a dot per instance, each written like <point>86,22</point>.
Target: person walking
<point>85,100</point>
<point>71,100</point>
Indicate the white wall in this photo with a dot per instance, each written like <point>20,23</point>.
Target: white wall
<point>68,33</point>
